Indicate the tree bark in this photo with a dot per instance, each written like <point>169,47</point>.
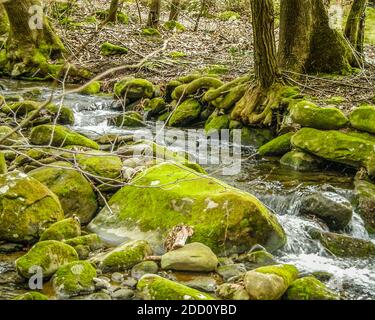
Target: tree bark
<point>112,13</point>
<point>355,25</point>
<point>154,15</point>
<point>4,23</point>
<point>307,43</point>
<point>175,10</point>
<point>29,47</point>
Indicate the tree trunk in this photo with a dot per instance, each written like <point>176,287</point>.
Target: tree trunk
<point>355,25</point>
<point>307,44</point>
<point>154,15</point>
<point>31,42</point>
<point>175,10</point>
<point>112,15</point>
<point>4,23</point>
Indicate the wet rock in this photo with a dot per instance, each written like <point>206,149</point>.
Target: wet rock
<point>215,123</point>
<point>199,282</point>
<point>195,200</point>
<point>153,287</point>
<point>49,255</point>
<point>75,193</point>
<point>365,203</point>
<point>142,268</point>
<point>83,251</point>
<point>91,240</point>
<point>98,296</point>
<point>186,113</point>
<point>322,276</point>
<point>33,295</point>
<point>61,230</point>
<point>363,118</point>
<point>278,146</point>
<point>257,259</point>
<point>3,164</point>
<point>309,288</point>
<point>308,114</point>
<point>10,247</point>
<point>12,139</point>
<point>74,279</point>
<point>300,161</point>
<point>157,106</point>
<point>125,256</point>
<point>134,89</point>
<point>117,277</point>
<point>122,294</point>
<point>231,271</point>
<point>28,208</point>
<point>255,137</point>
<point>129,282</point>
<point>129,119</point>
<point>102,283</point>
<point>191,257</point>
<point>232,291</point>
<point>335,210</point>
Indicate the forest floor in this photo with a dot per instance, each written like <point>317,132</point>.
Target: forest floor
<point>226,44</point>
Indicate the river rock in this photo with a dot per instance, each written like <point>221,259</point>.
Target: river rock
<point>32,295</point>
<point>308,114</point>
<point>49,255</point>
<point>144,267</point>
<point>335,210</point>
<point>3,164</point>
<point>62,137</point>
<point>278,146</point>
<point>300,161</point>
<point>256,259</point>
<point>337,146</point>
<point>126,256</point>
<point>309,288</point>
<point>134,89</point>
<point>363,118</point>
<point>130,119</point>
<point>215,123</point>
<point>27,208</point>
<point>153,287</point>
<point>201,282</point>
<point>365,203</point>
<point>186,113</point>
<point>269,283</point>
<point>91,240</point>
<point>74,279</point>
<point>12,139</point>
<point>61,230</point>
<point>256,137</point>
<point>232,291</point>
<point>195,200</point>
<point>231,271</point>
<point>192,257</point>
<point>75,193</point>
<point>122,294</point>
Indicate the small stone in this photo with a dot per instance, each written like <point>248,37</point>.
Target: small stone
<point>231,271</point>
<point>101,283</point>
<point>117,277</point>
<point>232,291</point>
<point>129,282</point>
<point>123,294</point>
<point>145,267</point>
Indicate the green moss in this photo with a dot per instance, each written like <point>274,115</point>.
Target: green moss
<point>278,146</point>
<point>174,26</point>
<point>255,136</point>
<point>365,203</point>
<point>157,106</point>
<point>150,32</point>
<point>74,279</point>
<point>202,83</point>
<point>288,272</point>
<point>370,26</point>
<point>229,15</point>
<point>335,100</point>
<point>195,200</point>
<point>122,18</point>
<point>61,230</point>
<point>177,54</point>
<point>217,123</point>
<point>91,240</point>
<point>153,287</point>
<point>61,137</point>
<point>134,89</point>
<point>216,69</point>
<point>300,161</point>
<point>91,88</point>
<point>13,138</point>
<point>307,114</point>
<point>109,49</point>
<point>3,164</point>
<point>363,118</point>
<point>32,295</point>
<point>232,97</point>
<point>185,113</point>
<point>309,288</point>
<point>48,255</point>
<point>126,256</point>
<point>129,119</point>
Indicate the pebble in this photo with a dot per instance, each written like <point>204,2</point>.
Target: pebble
<point>123,294</point>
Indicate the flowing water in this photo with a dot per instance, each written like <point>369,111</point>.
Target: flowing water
<point>278,188</point>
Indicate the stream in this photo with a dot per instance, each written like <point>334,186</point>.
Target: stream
<point>280,189</point>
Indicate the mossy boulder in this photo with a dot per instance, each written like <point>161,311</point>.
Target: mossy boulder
<point>308,114</point>
<point>27,208</point>
<point>49,255</point>
<point>197,200</point>
<point>3,164</point>
<point>309,288</point>
<point>363,118</point>
<point>157,106</point>
<point>192,257</point>
<point>255,136</point>
<point>217,123</point>
<point>270,282</point>
<point>278,146</point>
<point>134,89</point>
<point>61,230</point>
<point>365,203</point>
<point>186,113</point>
<point>110,49</point>
<point>153,287</point>
<point>191,88</point>
<point>61,137</point>
<point>32,295</point>
<point>74,279</point>
<point>232,291</point>
<point>126,256</point>
<point>12,139</point>
<point>92,88</point>
<point>75,193</point>
<point>90,240</point>
<point>129,119</point>
<point>338,147</point>
<point>300,161</point>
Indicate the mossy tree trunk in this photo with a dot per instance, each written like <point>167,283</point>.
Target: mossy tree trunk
<point>4,23</point>
<point>175,10</point>
<point>154,15</point>
<point>32,45</point>
<point>257,105</point>
<point>113,8</point>
<point>355,26</point>
<point>307,43</point>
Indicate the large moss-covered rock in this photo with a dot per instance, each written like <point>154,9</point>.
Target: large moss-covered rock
<point>192,257</point>
<point>134,89</point>
<point>61,137</point>
<point>74,192</point>
<point>74,279</point>
<point>33,295</point>
<point>300,161</point>
<point>309,288</point>
<point>49,255</point>
<point>61,230</point>
<point>91,88</point>
<point>338,147</point>
<point>12,139</point>
<point>129,119</point>
<point>365,201</point>
<point>92,241</point>
<point>185,113</point>
<point>3,164</point>
<point>363,118</point>
<point>270,282</point>
<point>255,136</point>
<point>222,216</point>
<point>308,114</point>
<point>278,146</point>
<point>153,287</point>
<point>27,208</point>
<point>125,256</point>
<point>217,123</point>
